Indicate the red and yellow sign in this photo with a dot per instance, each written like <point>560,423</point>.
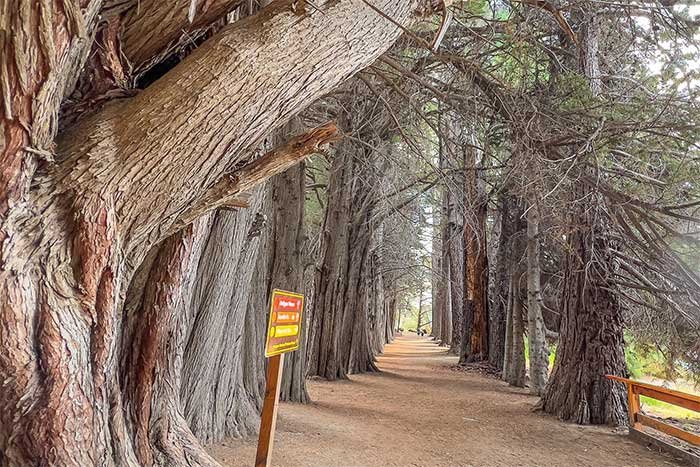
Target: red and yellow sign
<point>284,328</point>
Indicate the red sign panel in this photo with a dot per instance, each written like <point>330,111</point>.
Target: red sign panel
<point>284,326</point>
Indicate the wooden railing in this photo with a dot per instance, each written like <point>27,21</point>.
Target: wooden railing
<point>638,419</point>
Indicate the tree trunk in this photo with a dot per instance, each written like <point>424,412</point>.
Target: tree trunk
<point>447,320</point>
<point>287,268</point>
<point>539,353</point>
<point>419,322</point>
<point>514,351</point>
<point>222,396</point>
<point>339,334</point>
<point>436,283</point>
<point>476,313</point>
<point>591,339</point>
<point>591,334</point>
<point>456,278</point>
<point>515,374</point>
<point>505,261</point>
<point>157,323</point>
<point>125,179</point>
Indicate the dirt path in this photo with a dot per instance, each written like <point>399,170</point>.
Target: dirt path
<point>419,412</point>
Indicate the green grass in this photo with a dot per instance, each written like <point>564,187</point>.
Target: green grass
<point>664,410</point>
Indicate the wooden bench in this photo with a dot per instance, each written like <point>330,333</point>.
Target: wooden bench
<point>637,419</point>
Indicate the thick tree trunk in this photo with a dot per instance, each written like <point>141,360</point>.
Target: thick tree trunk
<point>125,179</point>
<point>222,396</point>
<point>156,327</point>
<point>287,268</point>
<point>591,334</point>
<point>514,351</point>
<point>539,353</point>
<point>340,342</point>
<point>591,340</point>
<point>514,368</point>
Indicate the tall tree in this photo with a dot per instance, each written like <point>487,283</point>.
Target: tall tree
<point>591,335</point>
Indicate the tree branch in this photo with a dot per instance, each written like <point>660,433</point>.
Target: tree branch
<point>153,28</point>
<point>229,190</point>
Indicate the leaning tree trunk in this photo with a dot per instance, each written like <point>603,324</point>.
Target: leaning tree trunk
<point>591,334</point>
<point>115,185</point>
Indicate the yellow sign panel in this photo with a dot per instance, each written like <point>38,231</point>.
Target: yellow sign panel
<point>284,326</point>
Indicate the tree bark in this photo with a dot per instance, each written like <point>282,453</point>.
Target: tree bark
<point>156,327</point>
<point>591,334</point>
<point>476,312</point>
<point>591,338</point>
<point>437,290</point>
<point>514,351</point>
<point>510,224</point>
<point>340,342</point>
<point>287,268</point>
<point>539,353</point>
<point>515,372</point>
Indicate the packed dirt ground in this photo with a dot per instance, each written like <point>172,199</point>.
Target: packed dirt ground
<point>419,411</point>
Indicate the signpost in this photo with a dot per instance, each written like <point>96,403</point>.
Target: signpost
<point>283,335</point>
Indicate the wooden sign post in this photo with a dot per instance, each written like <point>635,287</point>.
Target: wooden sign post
<point>283,335</point>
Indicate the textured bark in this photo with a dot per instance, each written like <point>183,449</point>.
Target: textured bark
<point>539,353</point>
<point>340,341</point>
<point>591,342</point>
<point>510,224</point>
<point>591,334</point>
<point>514,351</point>
<point>287,268</point>
<point>222,396</point>
<point>456,271</point>
<point>476,306</point>
<point>514,370</point>
<point>156,327</point>
<point>123,181</point>
<point>152,32</point>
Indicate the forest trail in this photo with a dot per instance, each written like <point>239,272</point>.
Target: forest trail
<point>420,412</point>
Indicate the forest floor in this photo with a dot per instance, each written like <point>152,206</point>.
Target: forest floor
<point>420,411</point>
